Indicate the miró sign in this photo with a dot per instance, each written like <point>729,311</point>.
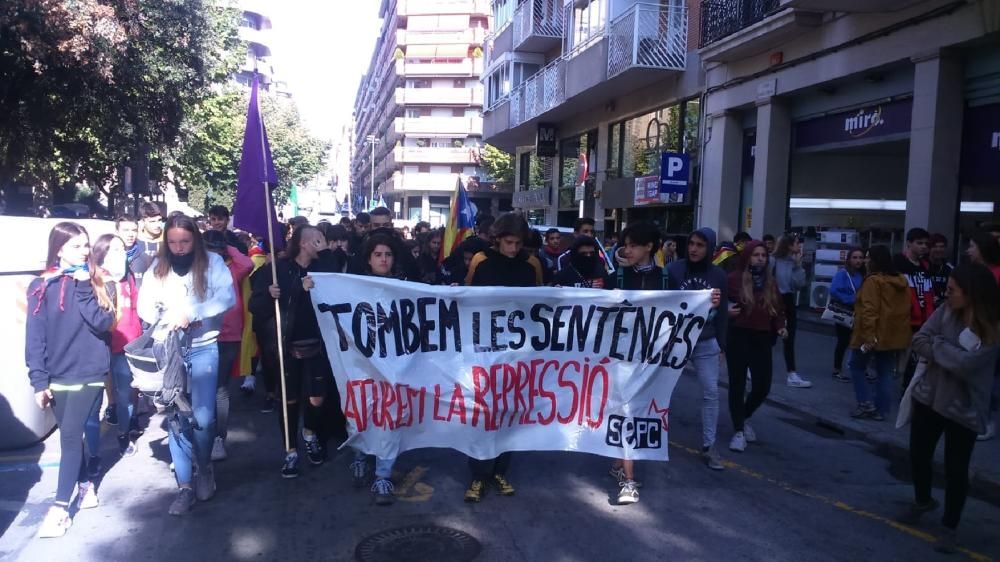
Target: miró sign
<point>863,122</point>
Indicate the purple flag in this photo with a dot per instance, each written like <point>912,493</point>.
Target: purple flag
<point>251,204</point>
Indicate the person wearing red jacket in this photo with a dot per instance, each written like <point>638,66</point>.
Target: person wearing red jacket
<point>111,256</point>
<point>913,264</point>
<point>231,334</point>
<point>756,314</point>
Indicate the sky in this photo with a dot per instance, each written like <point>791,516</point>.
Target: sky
<point>321,48</point>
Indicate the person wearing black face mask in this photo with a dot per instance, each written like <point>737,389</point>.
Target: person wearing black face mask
<point>585,266</point>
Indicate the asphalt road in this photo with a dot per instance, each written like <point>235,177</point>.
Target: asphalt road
<point>802,493</point>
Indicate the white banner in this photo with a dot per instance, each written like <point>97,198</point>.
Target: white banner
<point>487,370</point>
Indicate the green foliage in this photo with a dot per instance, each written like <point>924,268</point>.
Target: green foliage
<point>498,165</point>
<point>206,162</point>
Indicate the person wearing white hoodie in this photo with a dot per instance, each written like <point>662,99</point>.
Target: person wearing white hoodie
<point>189,289</point>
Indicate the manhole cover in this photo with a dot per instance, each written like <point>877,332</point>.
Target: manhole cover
<point>418,543</point>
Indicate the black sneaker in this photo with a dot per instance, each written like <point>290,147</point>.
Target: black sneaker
<point>111,415</point>
<point>291,467</point>
<point>182,504</point>
<point>915,512</point>
<point>269,405</point>
<point>841,377</point>
<point>94,467</point>
<point>315,451</point>
<point>125,446</point>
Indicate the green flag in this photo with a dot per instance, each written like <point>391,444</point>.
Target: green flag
<point>293,200</point>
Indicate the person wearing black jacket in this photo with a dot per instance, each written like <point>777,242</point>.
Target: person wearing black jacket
<point>506,264</point>
<point>456,266</point>
<point>67,334</point>
<point>430,249</point>
<point>218,219</point>
<point>584,268</point>
<point>307,367</point>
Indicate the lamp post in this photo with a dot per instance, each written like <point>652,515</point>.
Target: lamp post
<point>371,140</point>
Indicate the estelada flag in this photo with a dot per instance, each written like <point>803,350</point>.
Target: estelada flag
<point>460,221</point>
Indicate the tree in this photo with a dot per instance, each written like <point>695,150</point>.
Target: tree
<point>498,165</point>
<point>206,161</point>
<point>89,83</point>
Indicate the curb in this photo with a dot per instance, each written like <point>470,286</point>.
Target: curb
<point>981,483</point>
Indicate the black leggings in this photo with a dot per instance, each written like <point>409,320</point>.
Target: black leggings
<point>926,429</point>
<point>791,323</point>
<point>748,349</point>
<point>72,409</point>
<point>843,341</point>
<point>485,470</point>
<point>305,379</point>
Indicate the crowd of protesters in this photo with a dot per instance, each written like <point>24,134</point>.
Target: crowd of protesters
<point>915,317</point>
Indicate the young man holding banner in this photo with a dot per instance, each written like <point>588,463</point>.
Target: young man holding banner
<point>697,272</point>
<point>506,264</point>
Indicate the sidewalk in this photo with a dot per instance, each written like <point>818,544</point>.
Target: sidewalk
<point>829,403</point>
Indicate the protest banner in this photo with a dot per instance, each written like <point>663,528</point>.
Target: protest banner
<point>485,370</point>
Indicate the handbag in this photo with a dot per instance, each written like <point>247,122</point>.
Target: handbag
<point>840,314</point>
<point>906,404</point>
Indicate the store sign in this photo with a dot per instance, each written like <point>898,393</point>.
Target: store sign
<point>675,173</point>
<point>545,141</point>
<point>531,198</point>
<point>647,191</point>
<point>981,146</point>
<point>871,122</point>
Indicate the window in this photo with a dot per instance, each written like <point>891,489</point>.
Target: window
<point>457,112</point>
<point>248,21</point>
<point>634,145</point>
<point>424,168</point>
<point>413,112</point>
<point>419,83</point>
<point>458,83</point>
<point>578,158</point>
<point>422,142</point>
<point>503,11</point>
<point>440,208</point>
<point>588,22</point>
<point>533,172</point>
<point>457,169</point>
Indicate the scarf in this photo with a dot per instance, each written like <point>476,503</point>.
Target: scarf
<point>181,264</point>
<point>757,274</point>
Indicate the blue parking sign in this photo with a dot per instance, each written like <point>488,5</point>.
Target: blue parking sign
<point>675,173</point>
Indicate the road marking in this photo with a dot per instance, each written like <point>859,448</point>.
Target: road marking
<point>421,491</point>
<point>843,506</point>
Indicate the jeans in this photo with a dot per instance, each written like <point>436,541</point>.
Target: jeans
<point>73,409</point>
<point>195,445</point>
<point>229,352</point>
<point>926,428</point>
<point>791,324</point>
<point>122,376</point>
<point>843,342</point>
<point>705,361</point>
<point>383,467</point>
<point>748,349</point>
<point>885,362</point>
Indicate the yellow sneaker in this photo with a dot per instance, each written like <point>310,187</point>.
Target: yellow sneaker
<point>503,486</point>
<point>475,491</point>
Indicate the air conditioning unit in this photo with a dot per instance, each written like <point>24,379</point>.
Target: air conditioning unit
<point>819,294</point>
<point>827,270</point>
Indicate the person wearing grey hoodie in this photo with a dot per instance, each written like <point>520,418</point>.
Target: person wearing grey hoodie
<point>697,272</point>
<point>791,277</point>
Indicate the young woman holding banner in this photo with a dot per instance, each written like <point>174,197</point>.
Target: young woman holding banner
<point>69,315</point>
<point>188,290</point>
<point>506,264</point>
<point>307,368</point>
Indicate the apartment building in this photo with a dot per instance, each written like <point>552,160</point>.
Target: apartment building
<point>255,29</point>
<point>587,94</point>
<point>867,115</point>
<point>418,126</point>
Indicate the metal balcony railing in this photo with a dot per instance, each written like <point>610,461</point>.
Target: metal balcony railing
<point>543,91</point>
<point>722,18</point>
<point>541,18</point>
<point>648,36</point>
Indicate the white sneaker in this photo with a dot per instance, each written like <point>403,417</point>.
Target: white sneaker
<point>738,443</point>
<point>55,524</point>
<point>86,495</point>
<point>748,433</point>
<point>991,432</point>
<point>629,493</point>
<point>249,384</point>
<point>795,381</point>
<point>219,450</point>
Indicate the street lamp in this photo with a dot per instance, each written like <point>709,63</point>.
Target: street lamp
<point>371,140</point>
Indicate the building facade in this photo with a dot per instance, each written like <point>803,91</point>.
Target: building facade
<point>418,126</point>
<point>870,116</point>
<point>587,94</point>
<point>255,29</point>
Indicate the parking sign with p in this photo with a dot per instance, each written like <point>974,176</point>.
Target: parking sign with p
<point>675,173</point>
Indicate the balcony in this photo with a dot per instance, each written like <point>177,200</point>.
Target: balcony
<point>735,29</point>
<point>468,67</point>
<point>537,26</point>
<point>441,7</point>
<point>850,5</point>
<point>420,182</point>
<point>262,37</point>
<point>435,126</point>
<point>432,155</point>
<point>439,96</point>
<point>545,90</point>
<point>474,36</point>
<point>648,36</point>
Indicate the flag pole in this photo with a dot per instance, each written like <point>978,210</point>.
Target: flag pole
<point>268,208</point>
